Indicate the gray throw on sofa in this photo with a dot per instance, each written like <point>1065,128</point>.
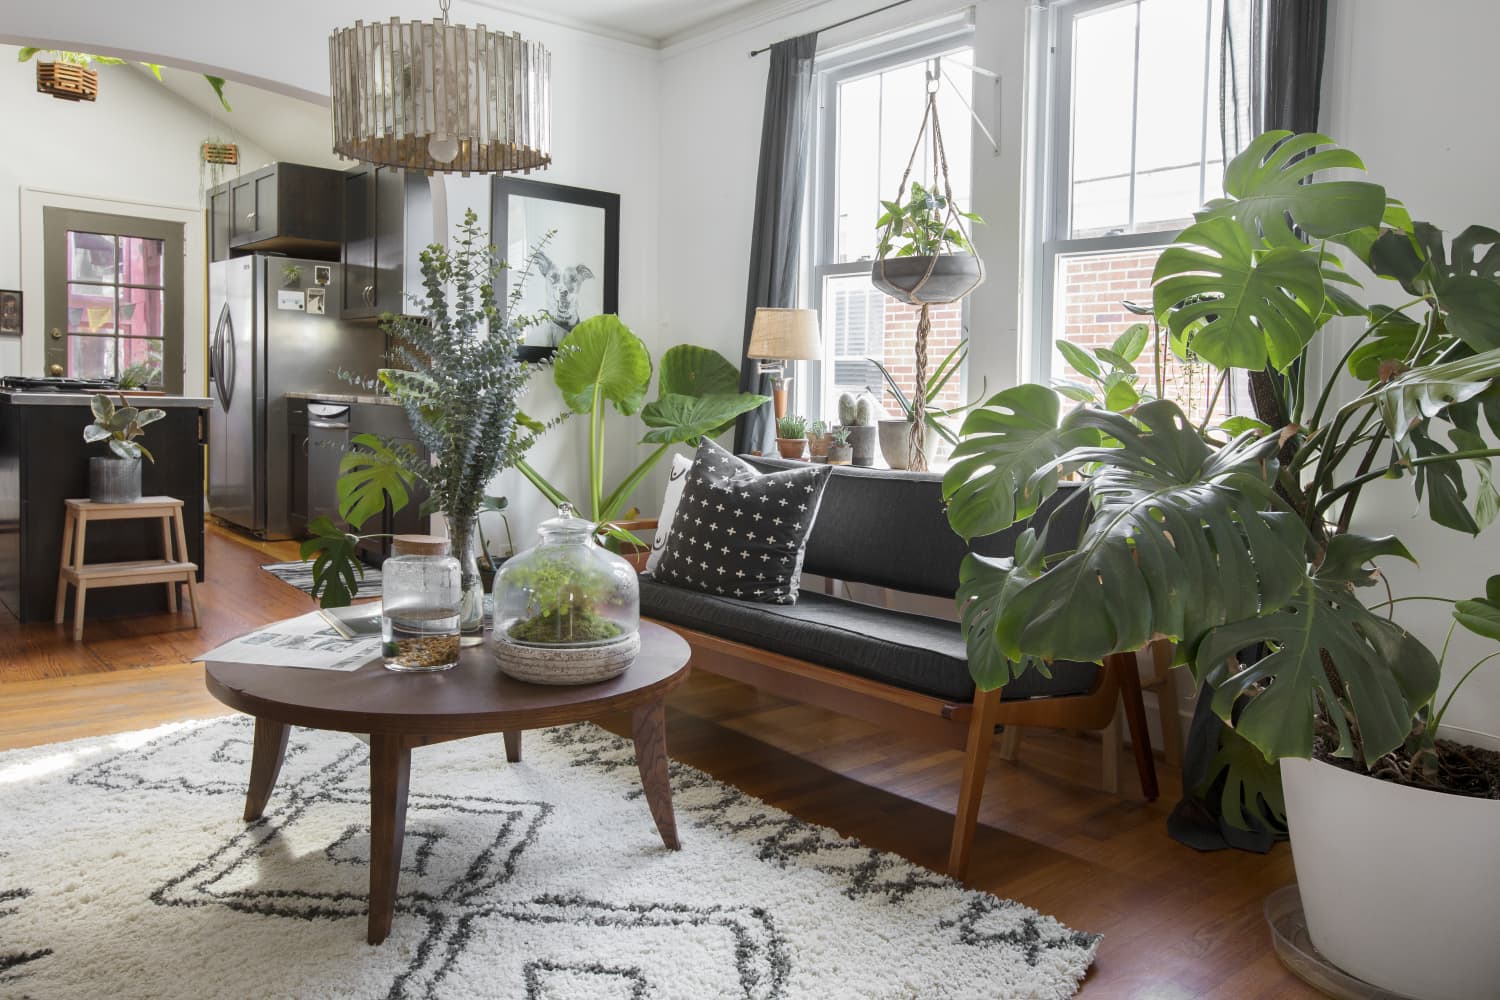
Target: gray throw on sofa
<point>887,529</point>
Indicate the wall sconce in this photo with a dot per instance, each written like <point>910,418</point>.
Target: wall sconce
<point>779,337</point>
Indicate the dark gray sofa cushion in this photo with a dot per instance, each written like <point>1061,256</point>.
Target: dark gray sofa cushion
<point>908,650</point>
<point>889,529</point>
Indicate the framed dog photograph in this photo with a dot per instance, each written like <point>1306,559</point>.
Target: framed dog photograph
<point>577,273</point>
<point>10,313</point>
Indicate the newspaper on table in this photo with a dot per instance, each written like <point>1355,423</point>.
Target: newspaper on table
<point>308,642</point>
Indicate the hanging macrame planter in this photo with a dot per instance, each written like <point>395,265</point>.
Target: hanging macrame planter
<point>936,266</point>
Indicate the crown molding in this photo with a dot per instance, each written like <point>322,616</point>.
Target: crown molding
<point>761,14</point>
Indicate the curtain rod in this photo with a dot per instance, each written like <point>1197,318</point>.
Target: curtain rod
<point>840,24</point>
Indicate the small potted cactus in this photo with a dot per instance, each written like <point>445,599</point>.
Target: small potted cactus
<point>840,451</point>
<point>819,437</point>
<point>791,436</point>
<point>858,415</point>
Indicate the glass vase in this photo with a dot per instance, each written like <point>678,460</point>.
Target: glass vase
<point>463,537</point>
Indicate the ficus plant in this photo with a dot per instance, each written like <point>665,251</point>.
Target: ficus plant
<point>1241,542</point>
<point>122,426</point>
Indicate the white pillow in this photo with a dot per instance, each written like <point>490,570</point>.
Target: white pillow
<point>676,480</point>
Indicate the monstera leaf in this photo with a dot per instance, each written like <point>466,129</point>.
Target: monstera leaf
<point>1184,538</point>
<point>1235,306</point>
<point>1006,461</point>
<point>1388,674</point>
<point>601,360</point>
<point>371,472</point>
<point>984,585</point>
<point>335,565</point>
<point>1481,615</point>
<point>1253,797</point>
<point>1410,399</point>
<point>1269,190</point>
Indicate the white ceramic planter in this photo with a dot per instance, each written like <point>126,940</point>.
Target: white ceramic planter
<point>1400,886</point>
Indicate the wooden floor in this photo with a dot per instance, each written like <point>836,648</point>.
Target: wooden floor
<point>1177,924</point>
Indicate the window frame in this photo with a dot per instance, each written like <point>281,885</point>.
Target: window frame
<point>1053,238</point>
<point>832,70</point>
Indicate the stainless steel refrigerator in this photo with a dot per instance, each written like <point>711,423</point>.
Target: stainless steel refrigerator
<point>275,329</point>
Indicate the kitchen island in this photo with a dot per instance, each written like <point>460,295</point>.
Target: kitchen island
<point>44,461</point>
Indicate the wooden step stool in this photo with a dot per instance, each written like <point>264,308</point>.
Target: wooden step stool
<point>168,570</point>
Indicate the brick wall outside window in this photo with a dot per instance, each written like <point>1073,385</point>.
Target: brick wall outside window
<point>1090,289</point>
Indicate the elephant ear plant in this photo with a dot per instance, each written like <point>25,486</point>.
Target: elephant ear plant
<point>1240,542</point>
<point>602,365</point>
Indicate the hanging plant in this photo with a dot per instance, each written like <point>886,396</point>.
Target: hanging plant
<point>71,76</point>
<point>924,256</point>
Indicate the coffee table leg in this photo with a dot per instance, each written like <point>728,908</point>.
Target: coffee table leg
<point>390,769</point>
<point>513,746</point>
<point>265,764</point>
<point>649,727</point>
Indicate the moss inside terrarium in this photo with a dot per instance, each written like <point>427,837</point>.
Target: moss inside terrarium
<point>574,625</point>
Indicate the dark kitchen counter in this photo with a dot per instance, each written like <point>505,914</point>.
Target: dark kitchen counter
<point>16,397</point>
<point>368,399</point>
<point>44,461</point>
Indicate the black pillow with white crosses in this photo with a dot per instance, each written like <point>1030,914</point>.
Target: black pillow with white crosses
<point>738,533</point>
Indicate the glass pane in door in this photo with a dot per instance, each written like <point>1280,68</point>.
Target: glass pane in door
<point>91,308</point>
<point>91,357</point>
<point>140,312</point>
<point>140,261</point>
<point>143,351</point>
<point>91,257</point>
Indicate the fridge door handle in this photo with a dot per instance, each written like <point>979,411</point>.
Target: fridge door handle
<point>229,365</point>
<point>216,356</point>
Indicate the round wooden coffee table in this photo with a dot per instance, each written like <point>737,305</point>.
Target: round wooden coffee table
<point>404,710</point>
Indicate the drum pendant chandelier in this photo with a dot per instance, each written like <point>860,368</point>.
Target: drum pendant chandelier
<point>440,97</point>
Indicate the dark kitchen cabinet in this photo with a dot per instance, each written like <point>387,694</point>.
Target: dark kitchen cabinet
<point>218,224</point>
<point>390,424</point>
<point>285,207</point>
<point>387,222</point>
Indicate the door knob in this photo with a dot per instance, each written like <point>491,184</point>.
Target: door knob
<point>55,370</point>
<point>56,333</point>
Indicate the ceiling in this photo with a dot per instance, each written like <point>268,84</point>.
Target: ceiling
<point>651,22</point>
<point>285,127</point>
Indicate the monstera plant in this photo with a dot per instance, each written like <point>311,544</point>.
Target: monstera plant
<point>601,365</point>
<point>1240,542</point>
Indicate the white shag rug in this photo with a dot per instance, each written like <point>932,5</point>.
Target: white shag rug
<point>125,872</point>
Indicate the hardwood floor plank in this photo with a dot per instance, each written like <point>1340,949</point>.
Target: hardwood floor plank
<point>1176,923</point>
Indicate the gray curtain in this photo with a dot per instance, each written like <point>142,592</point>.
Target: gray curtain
<point>1271,75</point>
<point>776,233</point>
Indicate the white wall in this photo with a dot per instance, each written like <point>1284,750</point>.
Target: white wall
<point>133,151</point>
<point>605,134</point>
<point>1428,139</point>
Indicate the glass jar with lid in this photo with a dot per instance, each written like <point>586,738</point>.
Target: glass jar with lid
<point>567,610</point>
<point>421,597</point>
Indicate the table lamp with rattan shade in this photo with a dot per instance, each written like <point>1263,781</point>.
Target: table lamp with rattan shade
<point>779,336</point>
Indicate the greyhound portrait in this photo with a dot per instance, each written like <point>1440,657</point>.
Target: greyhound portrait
<point>562,285</point>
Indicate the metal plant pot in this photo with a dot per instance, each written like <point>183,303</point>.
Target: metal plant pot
<point>114,480</point>
<point>953,275</point>
<point>862,440</point>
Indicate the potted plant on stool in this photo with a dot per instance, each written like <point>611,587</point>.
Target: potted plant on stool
<point>116,478</point>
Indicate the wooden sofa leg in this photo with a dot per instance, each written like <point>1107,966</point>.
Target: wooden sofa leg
<point>1166,703</point>
<point>976,759</point>
<point>1129,677</point>
<point>1010,742</point>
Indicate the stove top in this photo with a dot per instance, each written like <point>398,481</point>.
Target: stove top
<point>56,383</point>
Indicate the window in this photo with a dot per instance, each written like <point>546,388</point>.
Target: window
<point>114,297</point>
<point>1132,149</point>
<point>871,108</point>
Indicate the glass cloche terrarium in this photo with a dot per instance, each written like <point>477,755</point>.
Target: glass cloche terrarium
<point>567,611</point>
